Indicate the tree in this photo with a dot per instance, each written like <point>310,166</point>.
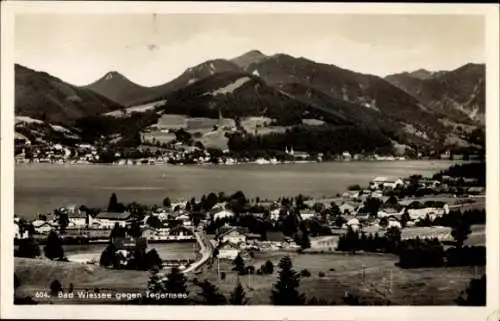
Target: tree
<point>393,236</point>
<point>393,200</point>
<point>238,296</point>
<point>63,220</point>
<point>28,248</point>
<point>17,283</point>
<point>154,221</point>
<point>372,205</point>
<point>305,242</point>
<point>166,202</point>
<point>339,221</point>
<point>176,283</point>
<point>53,249</point>
<point>334,209</point>
<point>210,294</point>
<point>239,265</point>
<point>113,203</point>
<point>285,291</point>
<point>318,207</point>
<point>299,201</point>
<point>268,267</point>
<point>117,232</point>
<point>109,258</point>
<point>210,201</point>
<point>460,231</point>
<point>135,229</point>
<point>152,259</point>
<point>475,294</point>
<point>55,287</point>
<point>405,218</point>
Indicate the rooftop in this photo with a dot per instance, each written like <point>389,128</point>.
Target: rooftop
<point>114,216</point>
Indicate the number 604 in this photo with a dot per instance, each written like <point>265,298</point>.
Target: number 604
<point>41,294</point>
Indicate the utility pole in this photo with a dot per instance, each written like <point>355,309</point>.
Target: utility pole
<point>390,282</point>
<point>218,270</point>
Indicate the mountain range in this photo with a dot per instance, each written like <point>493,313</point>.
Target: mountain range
<point>413,108</point>
<point>42,96</point>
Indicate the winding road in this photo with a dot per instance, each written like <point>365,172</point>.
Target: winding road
<point>205,250</point>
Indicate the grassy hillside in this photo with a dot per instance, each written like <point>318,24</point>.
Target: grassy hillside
<point>42,96</point>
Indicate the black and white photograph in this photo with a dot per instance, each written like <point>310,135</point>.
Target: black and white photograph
<point>250,159</point>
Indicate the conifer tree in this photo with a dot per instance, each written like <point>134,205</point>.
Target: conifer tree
<point>238,295</point>
<point>285,291</point>
<point>53,249</point>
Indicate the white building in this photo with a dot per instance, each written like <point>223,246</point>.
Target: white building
<point>109,219</point>
<point>347,208</point>
<point>385,182</point>
<point>78,219</point>
<point>233,236</point>
<point>223,214</point>
<point>307,214</point>
<point>228,251</point>
<point>42,227</point>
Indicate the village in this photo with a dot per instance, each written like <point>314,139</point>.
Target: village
<point>234,226</point>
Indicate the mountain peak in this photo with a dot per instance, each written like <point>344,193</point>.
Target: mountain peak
<point>113,75</point>
<point>249,58</point>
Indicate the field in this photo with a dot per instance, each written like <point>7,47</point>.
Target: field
<point>136,109</point>
<point>260,126</point>
<point>382,279</point>
<point>373,277</point>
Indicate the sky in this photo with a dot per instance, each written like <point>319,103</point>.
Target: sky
<point>151,49</point>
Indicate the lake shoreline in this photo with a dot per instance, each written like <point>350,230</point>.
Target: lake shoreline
<point>41,188</point>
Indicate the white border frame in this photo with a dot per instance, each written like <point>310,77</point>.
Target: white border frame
<point>8,310</point>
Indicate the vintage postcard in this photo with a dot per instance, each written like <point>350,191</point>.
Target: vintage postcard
<point>274,161</point>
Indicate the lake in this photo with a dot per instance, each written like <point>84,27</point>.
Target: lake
<point>40,188</point>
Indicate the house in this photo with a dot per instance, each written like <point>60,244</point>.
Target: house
<point>307,214</point>
<point>394,223</point>
<point>385,182</point>
<point>228,251</point>
<point>42,227</point>
<point>420,213</point>
<point>233,236</point>
<point>476,190</point>
<point>130,243</point>
<point>18,234</point>
<point>275,214</point>
<point>223,214</point>
<point>348,208</point>
<point>180,231</point>
<point>394,210</point>
<point>78,219</point>
<point>109,219</point>
<point>346,155</point>
<point>353,224</point>
<point>325,242</point>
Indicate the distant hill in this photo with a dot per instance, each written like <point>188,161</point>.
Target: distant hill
<point>119,88</point>
<point>457,94</point>
<point>131,94</point>
<point>42,96</point>
<point>237,94</point>
<point>360,90</point>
